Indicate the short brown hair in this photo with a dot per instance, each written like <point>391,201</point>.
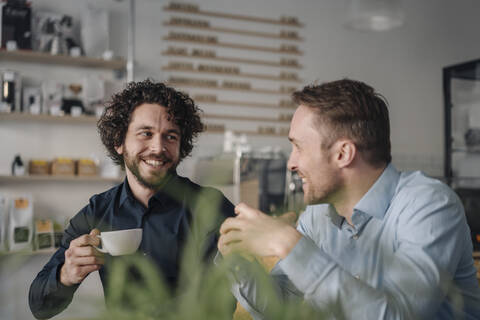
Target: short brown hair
<point>351,109</point>
<point>114,121</point>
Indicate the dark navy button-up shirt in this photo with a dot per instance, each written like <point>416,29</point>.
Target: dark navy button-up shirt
<point>166,223</point>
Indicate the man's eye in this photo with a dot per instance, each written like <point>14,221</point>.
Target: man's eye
<point>146,134</point>
<point>172,137</point>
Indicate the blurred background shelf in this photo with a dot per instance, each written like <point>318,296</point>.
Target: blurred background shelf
<point>268,63</point>
<point>237,31</point>
<point>245,118</point>
<point>245,104</point>
<point>57,178</point>
<point>15,116</point>
<point>240,74</point>
<point>46,58</point>
<point>251,90</point>
<point>236,46</point>
<point>286,21</point>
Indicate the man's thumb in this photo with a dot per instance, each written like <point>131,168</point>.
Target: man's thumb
<point>95,232</point>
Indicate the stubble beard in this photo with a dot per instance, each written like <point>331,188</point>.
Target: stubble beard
<point>324,194</point>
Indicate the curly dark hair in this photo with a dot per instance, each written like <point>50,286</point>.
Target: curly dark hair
<point>113,124</point>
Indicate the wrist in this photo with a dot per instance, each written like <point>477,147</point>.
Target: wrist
<point>288,241</point>
<point>63,277</point>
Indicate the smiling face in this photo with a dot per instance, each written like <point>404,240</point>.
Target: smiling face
<point>321,179</point>
<point>152,146</point>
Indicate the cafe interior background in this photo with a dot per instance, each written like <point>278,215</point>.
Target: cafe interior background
<point>239,60</point>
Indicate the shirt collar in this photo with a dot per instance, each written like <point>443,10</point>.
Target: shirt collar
<point>126,192</point>
<point>160,196</point>
<point>377,199</point>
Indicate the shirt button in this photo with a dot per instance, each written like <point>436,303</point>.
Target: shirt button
<point>144,253</point>
<point>355,237</point>
<point>356,276</point>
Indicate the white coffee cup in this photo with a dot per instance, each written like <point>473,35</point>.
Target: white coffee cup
<point>120,242</point>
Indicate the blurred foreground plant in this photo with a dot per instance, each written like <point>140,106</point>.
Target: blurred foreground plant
<point>203,291</point>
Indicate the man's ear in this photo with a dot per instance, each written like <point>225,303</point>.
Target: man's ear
<point>119,149</point>
<point>345,152</point>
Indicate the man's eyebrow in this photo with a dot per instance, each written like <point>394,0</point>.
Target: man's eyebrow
<point>144,127</point>
<point>173,131</point>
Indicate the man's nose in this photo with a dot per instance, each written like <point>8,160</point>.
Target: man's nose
<point>156,144</point>
<point>292,163</point>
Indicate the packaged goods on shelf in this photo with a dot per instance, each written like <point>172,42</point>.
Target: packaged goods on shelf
<point>52,93</point>
<point>63,166</point>
<point>32,100</point>
<point>20,223</point>
<point>10,97</point>
<point>44,236</point>
<point>18,169</point>
<point>86,167</point>
<point>38,166</point>
<point>3,221</point>
<point>15,20</point>
<point>57,234</point>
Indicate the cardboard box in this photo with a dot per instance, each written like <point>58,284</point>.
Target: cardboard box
<point>86,167</point>
<point>63,166</point>
<point>37,166</point>
<point>44,234</point>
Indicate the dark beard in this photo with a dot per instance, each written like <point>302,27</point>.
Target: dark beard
<point>155,184</point>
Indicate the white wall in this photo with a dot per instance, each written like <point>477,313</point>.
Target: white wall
<point>405,65</point>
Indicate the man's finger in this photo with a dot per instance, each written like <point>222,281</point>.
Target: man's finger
<point>243,209</point>
<point>95,240</point>
<point>85,251</point>
<point>230,224</point>
<point>229,237</point>
<point>86,261</point>
<point>84,240</point>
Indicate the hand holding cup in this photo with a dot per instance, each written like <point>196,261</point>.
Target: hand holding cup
<point>81,258</point>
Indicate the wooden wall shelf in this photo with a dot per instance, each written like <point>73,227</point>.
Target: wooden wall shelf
<point>284,22</point>
<point>57,178</point>
<point>236,31</point>
<point>244,118</point>
<point>236,46</point>
<point>45,58</point>
<point>237,60</point>
<point>47,118</point>
<point>248,132</point>
<point>253,90</point>
<point>240,75</point>
<point>243,104</point>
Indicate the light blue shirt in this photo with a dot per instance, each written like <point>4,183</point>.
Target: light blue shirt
<point>408,255</point>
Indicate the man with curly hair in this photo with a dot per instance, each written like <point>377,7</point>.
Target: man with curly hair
<point>148,128</point>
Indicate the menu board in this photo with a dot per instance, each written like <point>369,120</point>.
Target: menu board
<point>240,69</point>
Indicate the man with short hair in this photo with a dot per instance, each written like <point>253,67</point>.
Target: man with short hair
<point>148,128</point>
<point>376,242</point>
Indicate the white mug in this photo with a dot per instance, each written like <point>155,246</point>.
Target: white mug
<point>120,242</point>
